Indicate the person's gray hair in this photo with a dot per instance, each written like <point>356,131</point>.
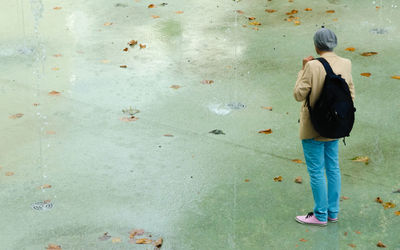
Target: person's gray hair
<point>325,39</point>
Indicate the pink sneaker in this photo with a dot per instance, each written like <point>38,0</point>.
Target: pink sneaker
<point>310,219</point>
<point>332,220</point>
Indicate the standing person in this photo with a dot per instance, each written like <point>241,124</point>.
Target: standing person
<point>321,153</point>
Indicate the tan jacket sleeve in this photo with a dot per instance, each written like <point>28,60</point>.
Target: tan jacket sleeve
<point>351,85</point>
<point>303,84</point>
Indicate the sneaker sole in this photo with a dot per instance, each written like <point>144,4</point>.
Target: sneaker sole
<point>333,221</point>
<point>312,224</point>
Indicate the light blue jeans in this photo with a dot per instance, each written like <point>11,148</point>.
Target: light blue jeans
<point>323,157</point>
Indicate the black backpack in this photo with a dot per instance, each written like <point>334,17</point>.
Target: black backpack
<point>333,113</point>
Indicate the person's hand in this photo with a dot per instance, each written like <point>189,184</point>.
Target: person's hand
<point>306,60</point>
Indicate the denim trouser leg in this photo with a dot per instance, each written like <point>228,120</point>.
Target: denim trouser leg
<point>321,156</point>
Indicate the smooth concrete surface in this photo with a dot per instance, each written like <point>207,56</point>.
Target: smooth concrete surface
<point>112,175</point>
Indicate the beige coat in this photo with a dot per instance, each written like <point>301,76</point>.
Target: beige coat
<point>312,79</point>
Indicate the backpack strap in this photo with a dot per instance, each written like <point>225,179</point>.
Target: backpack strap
<point>326,65</point>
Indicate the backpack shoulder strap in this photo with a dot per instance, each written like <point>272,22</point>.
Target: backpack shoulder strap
<point>326,65</point>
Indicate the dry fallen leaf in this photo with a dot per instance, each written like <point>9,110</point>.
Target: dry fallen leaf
<point>379,200</point>
<point>366,74</point>
<point>345,233</point>
<point>298,180</point>
<point>387,205</point>
<point>357,232</point>
<point>116,240</point>
<point>129,119</point>
<point>54,93</point>
<point>207,81</point>
<point>278,179</point>
<point>143,241</point>
<point>57,55</point>
<point>45,186</point>
<point>292,12</point>
<point>345,198</point>
<point>55,69</point>
<point>267,131</point>
<point>9,173</point>
<point>158,243</point>
<point>142,46</point>
<point>36,104</point>
<point>123,66</point>
<point>297,161</point>
<point>240,12</point>
<point>330,11</point>
<point>303,240</point>
<point>255,23</point>
<point>270,10</point>
<point>350,49</point>
<point>16,116</point>
<point>126,49</point>
<point>380,244</point>
<point>252,18</point>
<point>108,24</point>
<point>364,159</point>
<point>297,22</point>
<point>51,132</point>
<point>57,8</point>
<point>352,245</point>
<point>369,53</point>
<point>397,213</point>
<point>53,247</point>
<point>308,9</point>
<point>179,12</point>
<point>135,232</point>
<point>132,42</point>
<point>154,16</point>
<point>151,6</point>
<point>168,135</point>
<point>255,28</point>
<point>267,108</point>
<point>396,77</point>
<point>175,86</point>
<point>246,180</point>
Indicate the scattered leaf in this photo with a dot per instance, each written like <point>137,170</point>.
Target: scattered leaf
<point>369,53</point>
<point>303,240</point>
<point>345,233</point>
<point>36,104</point>
<point>53,247</point>
<point>379,200</point>
<point>217,132</point>
<point>292,12</point>
<point>104,237</point>
<point>116,240</point>
<point>357,232</point>
<point>380,244</point>
<point>387,205</point>
<point>54,93</point>
<point>168,135</point>
<point>16,116</point>
<point>255,23</point>
<point>345,198</point>
<point>154,16</point>
<point>151,6</point>
<point>364,159</point>
<point>142,46</point>
<point>207,81</point>
<point>396,77</point>
<point>179,12</point>
<point>308,9</point>
<point>132,42</point>
<point>267,108</point>
<point>377,7</point>
<point>158,243</point>
<point>298,180</point>
<point>267,131</point>
<point>397,213</point>
<point>240,12</point>
<point>297,161</point>
<point>57,8</point>
<point>252,18</point>
<point>135,232</point>
<point>246,180</point>
<point>350,49</point>
<point>55,69</point>
<point>297,22</point>
<point>255,28</point>
<point>175,86</point>
<point>352,245</point>
<point>57,55</point>
<point>330,11</point>
<point>143,241</point>
<point>126,49</point>
<point>45,186</point>
<point>108,24</point>
<point>366,74</point>
<point>270,10</point>
<point>9,173</point>
<point>129,119</point>
<point>123,66</point>
<point>51,132</point>
<point>278,179</point>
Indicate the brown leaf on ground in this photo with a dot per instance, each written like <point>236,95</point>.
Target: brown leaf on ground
<point>387,205</point>
<point>129,119</point>
<point>240,12</point>
<point>267,108</point>
<point>57,55</point>
<point>297,22</point>
<point>350,49</point>
<point>143,241</point>
<point>9,173</point>
<point>53,247</point>
<point>179,12</point>
<point>36,104</point>
<point>278,179</point>
<point>51,132</point>
<point>255,28</point>
<point>330,11</point>
<point>158,243</point>
<point>207,81</point>
<point>344,198</point>
<point>55,69</point>
<point>246,180</point>
<point>151,6</point>
<point>303,240</point>
<point>252,18</point>
<point>396,77</point>
<point>105,236</point>
<point>116,240</point>
<point>267,131</point>
<point>154,16</point>
<point>45,186</point>
<point>292,12</point>
<point>298,180</point>
<point>352,245</point>
<point>380,244</point>
<point>270,10</point>
<point>135,232</point>
<point>57,8</point>
<point>364,159</point>
<point>16,116</point>
<point>397,213</point>
<point>126,49</point>
<point>132,42</point>
<point>308,9</point>
<point>142,46</point>
<point>366,74</point>
<point>357,232</point>
<point>54,93</point>
<point>255,23</point>
<point>175,86</point>
<point>379,200</point>
<point>168,135</point>
<point>297,161</point>
<point>369,53</point>
<point>123,66</point>
<point>107,24</point>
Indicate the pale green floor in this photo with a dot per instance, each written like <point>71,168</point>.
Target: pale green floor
<point>113,176</point>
